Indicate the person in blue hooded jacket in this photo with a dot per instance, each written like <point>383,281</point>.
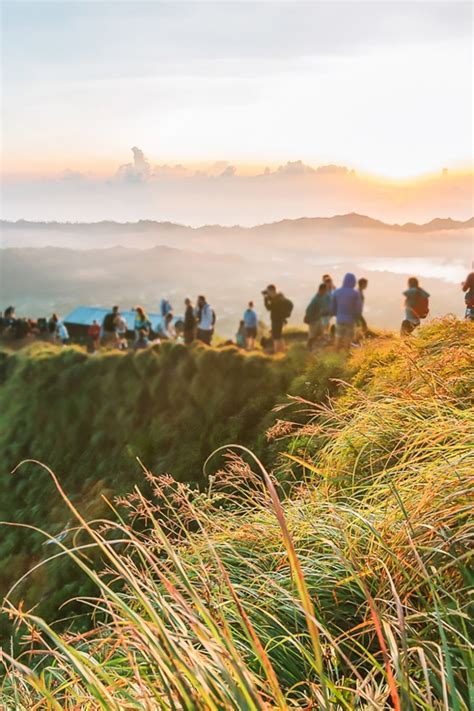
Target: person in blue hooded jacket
<point>346,306</point>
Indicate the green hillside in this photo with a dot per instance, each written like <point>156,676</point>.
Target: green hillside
<point>90,417</point>
<point>339,579</point>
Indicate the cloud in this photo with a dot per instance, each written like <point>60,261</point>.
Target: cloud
<point>72,176</point>
<point>333,170</point>
<point>137,172</point>
<point>214,194</point>
<point>230,171</point>
<point>296,167</point>
<point>170,171</point>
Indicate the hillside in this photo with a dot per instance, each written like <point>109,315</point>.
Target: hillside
<point>90,417</point>
<point>338,580</point>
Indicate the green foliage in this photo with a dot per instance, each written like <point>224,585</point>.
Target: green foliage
<point>89,417</point>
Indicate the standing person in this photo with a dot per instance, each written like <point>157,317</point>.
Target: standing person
<point>240,335</point>
<point>63,333</point>
<point>362,285</point>
<point>53,328</point>
<point>57,330</point>
<point>93,334</point>
<point>280,310</point>
<point>189,322</point>
<point>142,322</point>
<point>318,309</point>
<point>330,286</point>
<point>328,330</point>
<point>468,288</point>
<point>250,324</point>
<point>109,327</point>
<point>206,320</point>
<point>346,306</point>
<point>416,306</point>
<point>165,308</point>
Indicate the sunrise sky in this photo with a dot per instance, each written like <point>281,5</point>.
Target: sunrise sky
<point>382,88</point>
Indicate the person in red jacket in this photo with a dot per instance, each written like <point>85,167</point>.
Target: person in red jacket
<point>93,333</point>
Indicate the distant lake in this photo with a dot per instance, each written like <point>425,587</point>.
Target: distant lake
<point>454,271</point>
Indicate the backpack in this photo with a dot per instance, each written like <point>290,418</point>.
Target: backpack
<point>421,307</point>
<point>312,312</point>
<point>109,322</point>
<point>214,318</point>
<point>286,307</point>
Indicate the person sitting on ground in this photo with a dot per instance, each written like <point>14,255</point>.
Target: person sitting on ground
<point>109,327</point>
<point>240,335</point>
<point>168,330</point>
<point>346,306</point>
<point>93,334</point>
<point>142,322</point>
<point>121,327</point>
<point>318,308</point>
<point>468,288</point>
<point>416,306</point>
<point>250,324</point>
<point>362,285</point>
<point>32,327</point>
<point>142,340</point>
<point>280,309</point>
<point>21,328</point>
<point>206,319</point>
<point>189,322</point>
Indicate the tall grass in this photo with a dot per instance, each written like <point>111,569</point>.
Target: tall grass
<point>89,417</point>
<point>346,589</point>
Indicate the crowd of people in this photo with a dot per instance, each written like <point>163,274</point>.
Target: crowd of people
<point>333,315</point>
<point>197,324</point>
<point>16,327</point>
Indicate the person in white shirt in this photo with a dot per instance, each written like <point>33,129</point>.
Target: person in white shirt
<point>206,319</point>
<point>169,330</point>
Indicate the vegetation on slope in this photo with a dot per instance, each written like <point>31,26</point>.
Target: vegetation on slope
<point>348,591</point>
<point>90,417</point>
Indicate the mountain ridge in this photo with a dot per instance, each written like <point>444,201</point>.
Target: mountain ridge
<point>351,220</point>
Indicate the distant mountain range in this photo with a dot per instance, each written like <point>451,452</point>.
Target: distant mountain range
<point>348,221</point>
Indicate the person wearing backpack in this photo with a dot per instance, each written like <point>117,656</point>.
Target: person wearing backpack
<point>318,308</point>
<point>468,288</point>
<point>416,306</point>
<point>280,309</point>
<point>346,306</point>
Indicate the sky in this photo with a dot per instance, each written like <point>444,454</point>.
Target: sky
<point>381,88</point>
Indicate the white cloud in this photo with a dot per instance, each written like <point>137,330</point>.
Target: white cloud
<point>136,172</point>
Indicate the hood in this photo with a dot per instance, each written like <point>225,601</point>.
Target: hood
<point>349,281</point>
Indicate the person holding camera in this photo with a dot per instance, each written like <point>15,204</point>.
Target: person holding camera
<point>280,309</point>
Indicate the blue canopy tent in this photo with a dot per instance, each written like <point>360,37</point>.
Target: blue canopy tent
<point>79,320</point>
